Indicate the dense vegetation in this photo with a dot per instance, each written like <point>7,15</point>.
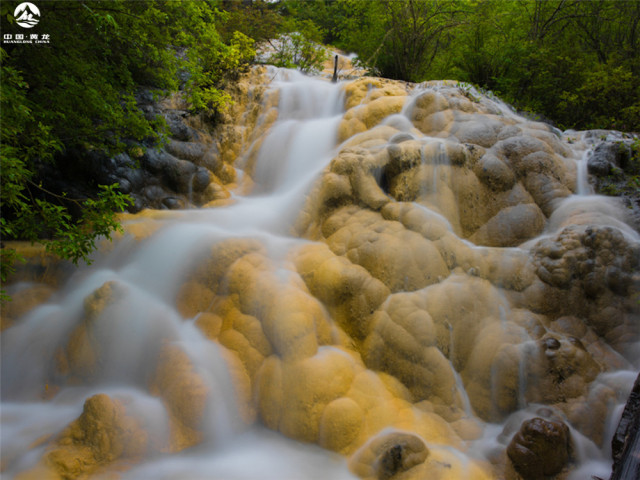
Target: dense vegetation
<point>574,62</point>
<point>77,94</point>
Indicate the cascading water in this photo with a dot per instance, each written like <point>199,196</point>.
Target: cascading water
<point>408,282</point>
<point>131,333</point>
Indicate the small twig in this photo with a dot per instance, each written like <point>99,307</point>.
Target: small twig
<point>77,201</point>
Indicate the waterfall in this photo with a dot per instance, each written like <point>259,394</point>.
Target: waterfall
<point>401,276</point>
<point>132,331</point>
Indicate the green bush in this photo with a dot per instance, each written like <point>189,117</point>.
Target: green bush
<point>78,94</point>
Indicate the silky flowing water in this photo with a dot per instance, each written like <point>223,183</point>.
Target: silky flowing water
<point>402,276</point>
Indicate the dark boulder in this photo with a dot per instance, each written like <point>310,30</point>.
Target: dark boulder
<point>173,203</point>
<point>541,447</point>
<point>625,444</point>
<point>201,180</point>
<point>172,175</point>
<point>178,128</point>
<point>191,151</point>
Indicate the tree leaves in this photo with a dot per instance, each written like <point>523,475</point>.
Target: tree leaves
<point>78,93</point>
<point>545,56</point>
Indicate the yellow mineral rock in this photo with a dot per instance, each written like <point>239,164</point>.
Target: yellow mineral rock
<point>193,298</point>
<point>307,387</point>
<point>348,290</point>
<point>242,385</point>
<point>209,324</point>
<point>23,301</point>
<point>292,332</point>
<point>493,372</point>
<point>401,259</point>
<point>185,395</point>
<point>365,89</point>
<point>39,265</point>
<point>403,347</point>
<point>104,434</point>
<point>511,226</point>
<point>341,422</point>
<point>269,392</point>
<point>246,338</point>
<point>215,192</point>
<point>394,453</point>
<point>364,117</point>
<point>388,455</point>
<point>211,270</point>
<point>420,301</point>
<point>80,359</point>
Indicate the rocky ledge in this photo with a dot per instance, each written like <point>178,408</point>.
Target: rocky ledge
<point>614,168</point>
<point>625,444</point>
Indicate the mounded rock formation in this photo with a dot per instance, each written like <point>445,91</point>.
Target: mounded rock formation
<point>446,275</point>
<point>103,435</point>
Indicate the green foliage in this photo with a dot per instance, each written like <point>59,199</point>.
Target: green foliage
<point>77,93</point>
<point>576,63</point>
<point>295,50</point>
<point>320,14</point>
<point>482,49</point>
<point>298,47</point>
<point>415,35</point>
<point>76,240</point>
<point>25,214</point>
<point>608,95</point>
<point>561,59</point>
<point>354,17</point>
<point>624,180</point>
<point>213,61</point>
<point>257,19</point>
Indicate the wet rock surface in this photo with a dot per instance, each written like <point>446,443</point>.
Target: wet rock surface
<point>102,435</point>
<point>394,453</point>
<point>439,274</point>
<point>173,176</point>
<point>614,168</point>
<point>192,167</point>
<point>540,448</point>
<point>625,444</point>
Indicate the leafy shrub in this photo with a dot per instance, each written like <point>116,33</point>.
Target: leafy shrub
<point>78,94</point>
<point>294,50</point>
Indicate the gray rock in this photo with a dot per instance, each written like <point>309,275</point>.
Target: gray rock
<point>173,203</point>
<point>401,137</point>
<point>178,128</point>
<point>186,150</point>
<point>154,194</point>
<point>154,160</point>
<point>125,185</point>
<point>201,179</point>
<point>138,203</point>
<point>495,173</point>
<point>600,162</point>
<point>608,155</point>
<point>179,174</point>
<point>626,463</point>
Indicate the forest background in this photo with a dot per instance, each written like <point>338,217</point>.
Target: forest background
<point>572,63</point>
